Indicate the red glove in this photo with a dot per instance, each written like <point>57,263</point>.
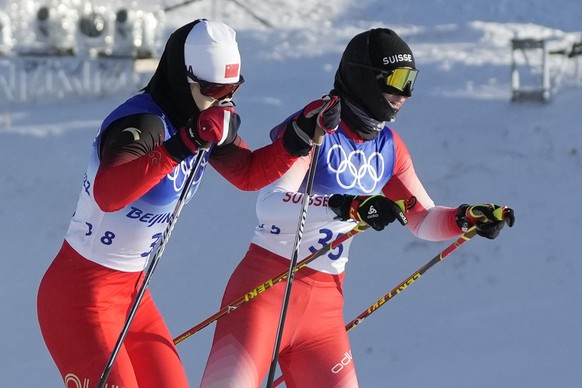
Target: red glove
<point>217,125</point>
<point>325,113</point>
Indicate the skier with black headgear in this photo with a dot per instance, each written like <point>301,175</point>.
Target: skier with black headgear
<point>137,168</point>
<point>364,174</point>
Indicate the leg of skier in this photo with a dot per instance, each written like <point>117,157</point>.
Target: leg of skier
<point>319,353</point>
<point>92,319</point>
<point>242,346</point>
<point>66,322</point>
<point>314,350</point>
<point>151,349</point>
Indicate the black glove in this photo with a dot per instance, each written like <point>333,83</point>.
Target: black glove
<point>375,210</point>
<point>488,218</point>
<point>325,113</point>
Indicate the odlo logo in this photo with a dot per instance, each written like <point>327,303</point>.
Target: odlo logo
<point>337,368</point>
<point>73,381</point>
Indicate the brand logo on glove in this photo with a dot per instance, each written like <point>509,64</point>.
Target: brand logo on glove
<point>372,213</point>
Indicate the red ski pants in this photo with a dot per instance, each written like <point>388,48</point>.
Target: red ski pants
<point>315,350</point>
<point>82,307</point>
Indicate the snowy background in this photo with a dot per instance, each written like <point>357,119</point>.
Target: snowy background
<point>502,313</point>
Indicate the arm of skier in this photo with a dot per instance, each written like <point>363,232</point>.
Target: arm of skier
<point>438,223</point>
<point>431,222</point>
<point>133,160</point>
<point>253,170</point>
<point>135,155</point>
<point>425,220</point>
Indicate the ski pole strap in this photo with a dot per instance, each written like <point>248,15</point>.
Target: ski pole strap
<point>264,286</point>
<point>469,234</point>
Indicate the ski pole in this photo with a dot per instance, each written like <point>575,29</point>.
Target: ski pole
<point>500,214</point>
<point>293,263</point>
<point>264,286</point>
<point>153,263</point>
<point>469,234</point>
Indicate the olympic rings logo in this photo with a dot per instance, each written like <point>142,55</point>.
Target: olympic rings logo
<point>356,169</point>
<point>178,175</point>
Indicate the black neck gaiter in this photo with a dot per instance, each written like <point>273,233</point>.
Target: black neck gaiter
<point>365,126</point>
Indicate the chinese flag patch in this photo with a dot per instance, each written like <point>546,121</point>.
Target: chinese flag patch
<point>231,71</point>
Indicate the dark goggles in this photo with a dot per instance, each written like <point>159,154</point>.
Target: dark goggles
<point>214,90</point>
<point>401,79</point>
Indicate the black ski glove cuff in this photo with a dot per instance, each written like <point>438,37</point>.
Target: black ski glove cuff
<point>340,204</point>
<point>296,141</point>
<point>177,149</point>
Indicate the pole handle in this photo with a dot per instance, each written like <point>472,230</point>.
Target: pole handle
<point>318,136</point>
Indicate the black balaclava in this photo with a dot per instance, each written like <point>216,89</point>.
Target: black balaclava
<point>169,85</point>
<point>364,106</point>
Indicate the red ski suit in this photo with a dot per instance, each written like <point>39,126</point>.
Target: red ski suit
<point>315,350</point>
<point>128,194</point>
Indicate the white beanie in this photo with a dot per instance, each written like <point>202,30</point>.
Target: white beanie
<point>211,52</point>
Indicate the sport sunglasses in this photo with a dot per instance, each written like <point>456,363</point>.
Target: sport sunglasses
<point>214,90</point>
<point>399,78</point>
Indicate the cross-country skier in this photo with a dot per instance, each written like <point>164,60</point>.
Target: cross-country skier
<point>137,168</point>
<point>360,170</point>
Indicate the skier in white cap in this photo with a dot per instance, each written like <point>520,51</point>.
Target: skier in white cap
<point>138,164</point>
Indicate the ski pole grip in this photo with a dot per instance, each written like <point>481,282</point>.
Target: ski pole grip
<point>500,213</point>
<point>318,136</point>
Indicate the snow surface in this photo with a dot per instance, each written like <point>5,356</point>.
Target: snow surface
<point>502,313</point>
